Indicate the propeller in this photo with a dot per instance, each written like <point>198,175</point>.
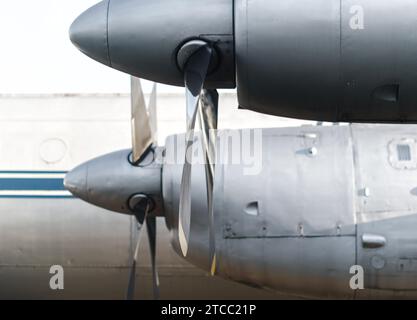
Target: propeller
<point>196,68</point>
<point>144,135</point>
<point>208,122</point>
<point>152,112</point>
<point>201,104</point>
<point>142,132</point>
<point>141,209</point>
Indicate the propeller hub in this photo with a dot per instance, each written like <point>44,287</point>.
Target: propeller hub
<point>142,38</point>
<point>190,48</point>
<point>76,181</point>
<point>139,204</point>
<point>89,33</point>
<point>112,182</point>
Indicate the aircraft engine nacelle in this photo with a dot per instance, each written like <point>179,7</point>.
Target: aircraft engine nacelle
<point>295,209</point>
<point>323,60</point>
<point>334,60</point>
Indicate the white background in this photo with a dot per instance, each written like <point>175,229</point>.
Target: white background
<point>36,55</point>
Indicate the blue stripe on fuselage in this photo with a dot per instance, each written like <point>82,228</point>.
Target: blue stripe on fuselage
<point>17,184</point>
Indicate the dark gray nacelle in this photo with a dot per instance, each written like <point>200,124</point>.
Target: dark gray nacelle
<point>321,60</point>
<point>328,60</point>
<point>143,37</point>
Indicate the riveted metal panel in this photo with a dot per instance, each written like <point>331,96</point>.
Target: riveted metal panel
<point>305,186</point>
<point>388,208</point>
<point>391,266</point>
<point>309,267</point>
<point>383,186</point>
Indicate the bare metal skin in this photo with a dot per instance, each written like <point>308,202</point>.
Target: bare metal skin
<point>325,199</point>
<point>317,60</point>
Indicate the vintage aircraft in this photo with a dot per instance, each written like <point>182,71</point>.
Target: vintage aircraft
<point>325,199</point>
<point>43,225</point>
<point>351,60</point>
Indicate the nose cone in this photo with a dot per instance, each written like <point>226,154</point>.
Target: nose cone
<point>89,32</point>
<point>110,181</point>
<point>76,182</point>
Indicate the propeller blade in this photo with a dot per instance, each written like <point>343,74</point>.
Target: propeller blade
<point>151,228</point>
<point>141,130</point>
<point>130,295</point>
<point>208,122</point>
<point>153,117</point>
<point>195,73</point>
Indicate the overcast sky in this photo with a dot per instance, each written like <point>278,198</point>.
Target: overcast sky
<point>37,56</point>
